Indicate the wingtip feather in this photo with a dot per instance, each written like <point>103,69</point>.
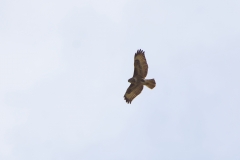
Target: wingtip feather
<point>127,100</point>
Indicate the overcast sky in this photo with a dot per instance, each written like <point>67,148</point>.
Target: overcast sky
<point>64,67</point>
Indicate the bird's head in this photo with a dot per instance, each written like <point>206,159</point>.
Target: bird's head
<point>131,80</point>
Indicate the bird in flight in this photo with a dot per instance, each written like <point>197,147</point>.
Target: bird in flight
<point>138,80</point>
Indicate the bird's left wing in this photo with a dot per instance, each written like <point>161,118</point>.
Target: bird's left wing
<point>140,64</point>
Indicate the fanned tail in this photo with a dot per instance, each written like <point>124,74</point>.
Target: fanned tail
<point>150,83</point>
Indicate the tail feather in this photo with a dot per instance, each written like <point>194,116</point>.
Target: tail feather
<point>150,83</point>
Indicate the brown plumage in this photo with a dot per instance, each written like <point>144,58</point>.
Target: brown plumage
<point>138,79</point>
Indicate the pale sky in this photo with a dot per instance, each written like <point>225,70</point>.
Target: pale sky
<point>64,67</point>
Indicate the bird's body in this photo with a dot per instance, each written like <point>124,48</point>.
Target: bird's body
<point>138,80</point>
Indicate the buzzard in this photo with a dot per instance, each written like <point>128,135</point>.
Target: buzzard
<point>138,80</point>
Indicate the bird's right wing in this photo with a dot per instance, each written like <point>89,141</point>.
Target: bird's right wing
<point>132,92</point>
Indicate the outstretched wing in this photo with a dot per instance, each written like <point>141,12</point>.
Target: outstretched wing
<point>132,92</point>
<point>140,64</point>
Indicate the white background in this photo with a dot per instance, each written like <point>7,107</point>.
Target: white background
<point>64,67</point>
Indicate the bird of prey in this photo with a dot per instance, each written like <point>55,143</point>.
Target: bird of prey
<point>138,80</point>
